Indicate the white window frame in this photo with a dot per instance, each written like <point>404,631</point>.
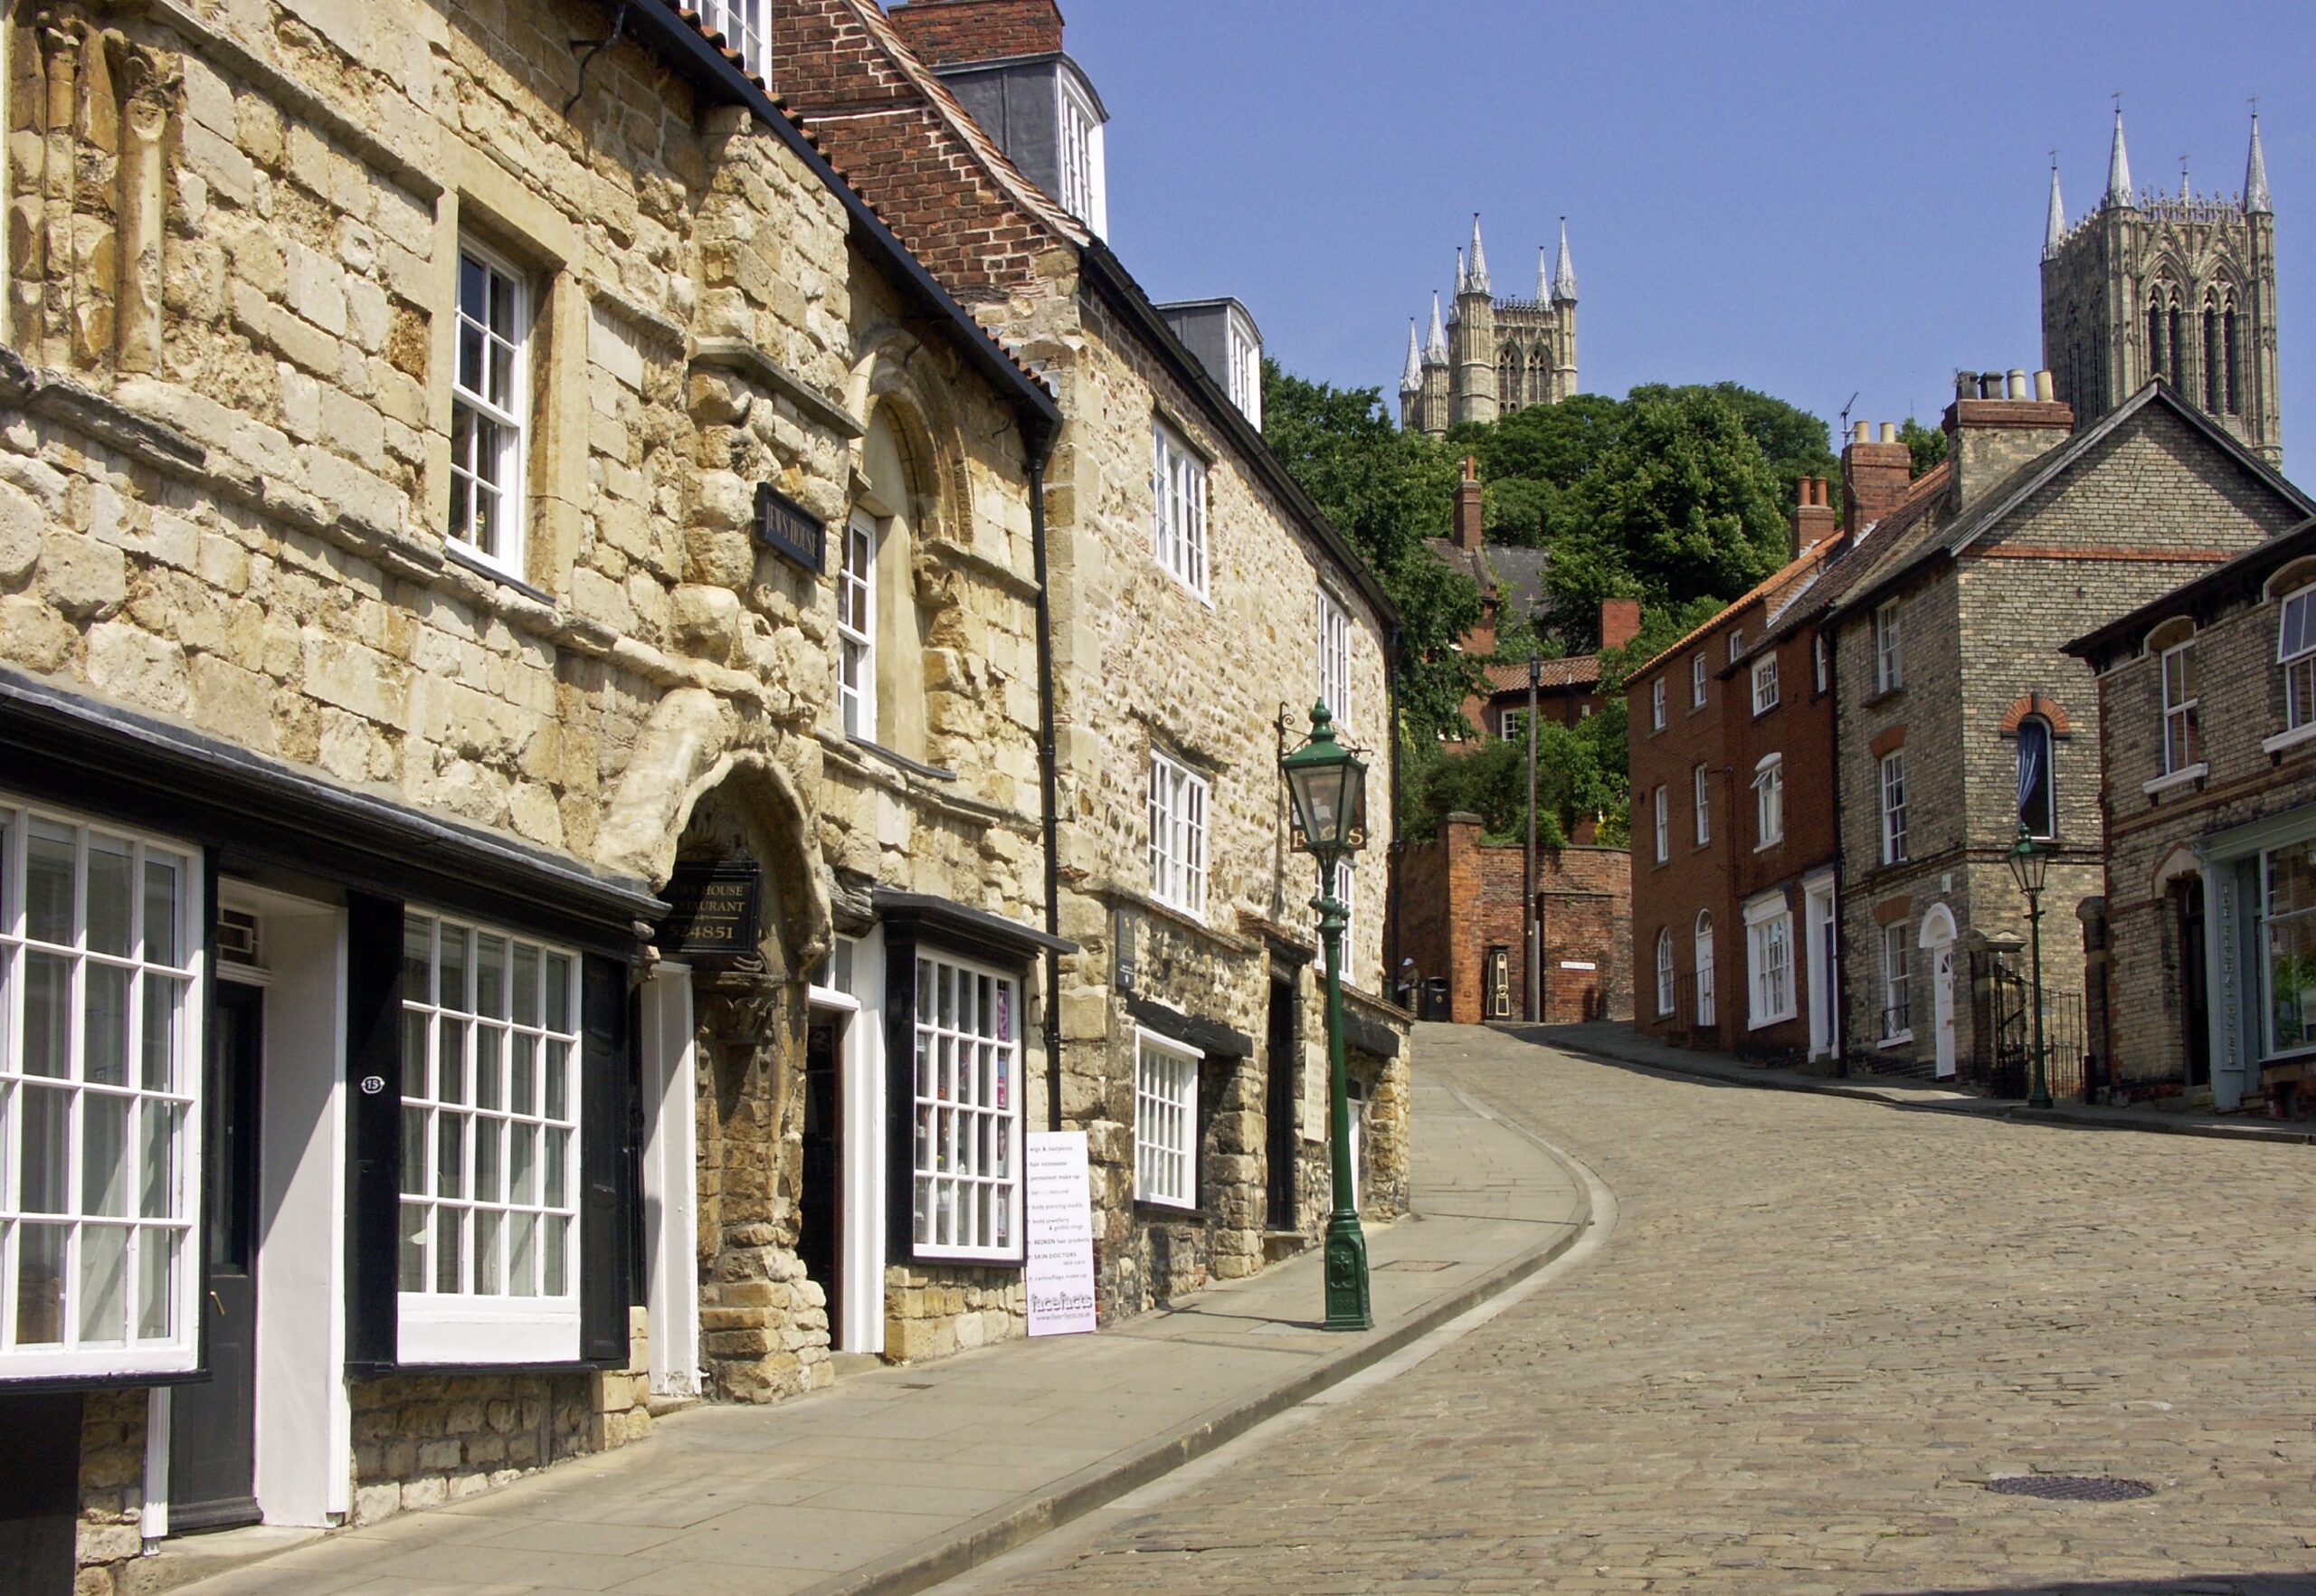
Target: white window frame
<point>1177,810</point>
<point>1700,780</point>
<point>1178,486</point>
<point>1661,808</point>
<point>1768,955</point>
<point>1897,986</point>
<point>746,27</point>
<point>466,1323</point>
<point>1166,1120</point>
<point>1698,674</point>
<point>1820,661</point>
<point>2296,656</point>
<point>1736,643</point>
<point>1891,786</point>
<point>1769,802</point>
<point>1244,358</point>
<point>1347,887</point>
<point>965,1111</point>
<point>2182,737</point>
<point>1334,658</point>
<point>1667,987</point>
<point>160,1093</point>
<point>2269,921</point>
<point>856,627</point>
<point>1764,685</point>
<point>497,471</point>
<point>1656,705</point>
<point>1708,1011</point>
<point>1079,159</point>
<point>1889,649</point>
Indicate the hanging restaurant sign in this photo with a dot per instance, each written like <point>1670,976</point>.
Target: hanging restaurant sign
<point>790,529</point>
<point>712,910</point>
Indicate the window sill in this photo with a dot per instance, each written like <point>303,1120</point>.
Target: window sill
<point>921,1258</point>
<point>871,747</point>
<point>1903,1039</point>
<point>1764,710</point>
<point>459,554</point>
<point>2293,738</point>
<point>1764,1022</point>
<point>1882,696</point>
<point>2181,777</point>
<point>1768,843</point>
<point>1150,1209</point>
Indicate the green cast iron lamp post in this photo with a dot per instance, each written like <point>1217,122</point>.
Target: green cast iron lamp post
<point>2028,866</point>
<point>1328,784</point>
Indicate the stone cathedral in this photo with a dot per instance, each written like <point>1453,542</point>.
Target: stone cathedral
<point>1492,357</point>
<point>2178,286</point>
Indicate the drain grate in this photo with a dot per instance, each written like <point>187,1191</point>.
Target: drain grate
<point>2071,1487</point>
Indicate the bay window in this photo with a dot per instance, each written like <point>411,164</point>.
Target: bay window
<point>101,960</point>
<point>966,1157</point>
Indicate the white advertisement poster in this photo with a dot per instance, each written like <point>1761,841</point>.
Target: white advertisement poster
<point>1060,1234</point>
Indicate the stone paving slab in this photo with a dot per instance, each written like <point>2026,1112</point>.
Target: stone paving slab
<point>905,1476</point>
<point>1619,1041</point>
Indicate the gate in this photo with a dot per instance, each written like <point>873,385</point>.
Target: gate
<point>2002,1032</point>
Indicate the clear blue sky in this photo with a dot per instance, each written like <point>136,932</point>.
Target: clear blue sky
<point>1810,199</point>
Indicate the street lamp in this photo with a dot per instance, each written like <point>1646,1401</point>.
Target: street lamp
<point>2028,866</point>
<point>1328,784</point>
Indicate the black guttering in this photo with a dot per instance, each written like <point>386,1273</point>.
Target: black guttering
<point>690,52</point>
<point>1109,274</point>
<point>947,920</point>
<point>2243,576</point>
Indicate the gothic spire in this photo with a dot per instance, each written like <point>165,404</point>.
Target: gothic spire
<point>1564,271</point>
<point>1435,343</point>
<point>1543,275</point>
<point>2055,229</point>
<point>1463,275</point>
<point>1477,282</point>
<point>2119,171</point>
<point>2255,177</point>
<point>1411,379</point>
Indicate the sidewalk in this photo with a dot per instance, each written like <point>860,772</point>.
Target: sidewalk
<point>903,1477</point>
<point>1617,1041</point>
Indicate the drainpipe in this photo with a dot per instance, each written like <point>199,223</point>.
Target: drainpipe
<point>1038,441</point>
<point>1837,1012</point>
<point>1395,654</point>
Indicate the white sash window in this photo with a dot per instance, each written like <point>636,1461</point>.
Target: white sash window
<point>1165,1122</point>
<point>967,1140</point>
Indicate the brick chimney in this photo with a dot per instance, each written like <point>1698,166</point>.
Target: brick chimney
<point>1469,515</point>
<point>1619,622</point>
<point>1813,516</point>
<point>1874,476</point>
<point>1996,425</point>
<point>944,32</point>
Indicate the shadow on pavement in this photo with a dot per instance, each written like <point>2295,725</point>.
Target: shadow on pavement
<point>2281,1584</point>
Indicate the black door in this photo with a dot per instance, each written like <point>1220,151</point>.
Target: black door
<point>820,1239</point>
<point>1278,1107</point>
<point>213,1423</point>
<point>2196,1018</point>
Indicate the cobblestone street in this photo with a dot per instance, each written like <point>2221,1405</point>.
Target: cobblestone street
<point>1819,1327</point>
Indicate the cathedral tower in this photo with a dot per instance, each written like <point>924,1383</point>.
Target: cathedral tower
<point>1493,357</point>
<point>2180,287</point>
<point>1432,405</point>
<point>1475,338</point>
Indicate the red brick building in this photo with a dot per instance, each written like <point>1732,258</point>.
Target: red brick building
<point>1461,927</point>
<point>1733,841</point>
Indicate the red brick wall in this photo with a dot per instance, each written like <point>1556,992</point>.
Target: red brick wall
<point>1460,897</point>
<point>1692,877</point>
<point>943,31</point>
<point>1801,729</point>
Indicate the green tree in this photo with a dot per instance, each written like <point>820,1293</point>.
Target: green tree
<point>1388,491</point>
<point>1926,444</point>
<point>1792,440</point>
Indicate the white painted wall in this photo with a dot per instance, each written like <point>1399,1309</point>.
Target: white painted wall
<point>670,1183</point>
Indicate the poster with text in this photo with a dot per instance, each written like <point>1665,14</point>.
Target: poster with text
<point>1060,1234</point>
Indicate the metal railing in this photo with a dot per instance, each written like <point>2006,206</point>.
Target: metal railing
<point>2003,1033</point>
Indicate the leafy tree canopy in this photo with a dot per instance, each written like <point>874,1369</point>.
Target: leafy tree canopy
<point>1926,444</point>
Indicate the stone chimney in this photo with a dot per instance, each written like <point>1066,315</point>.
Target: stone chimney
<point>1468,508</point>
<point>944,32</point>
<point>1874,476</point>
<point>1813,514</point>
<point>1619,622</point>
<point>1998,423</point>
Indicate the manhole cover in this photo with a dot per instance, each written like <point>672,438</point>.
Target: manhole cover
<point>1417,1266</point>
<point>2071,1487</point>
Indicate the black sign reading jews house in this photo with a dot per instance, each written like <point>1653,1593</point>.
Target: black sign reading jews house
<point>790,529</point>
<point>711,910</point>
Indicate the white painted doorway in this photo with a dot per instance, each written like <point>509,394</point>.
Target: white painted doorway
<point>1824,980</point>
<point>850,987</point>
<point>671,1182</point>
<point>1938,941</point>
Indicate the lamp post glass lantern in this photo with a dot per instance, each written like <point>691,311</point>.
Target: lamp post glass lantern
<point>2029,867</point>
<point>1328,783</point>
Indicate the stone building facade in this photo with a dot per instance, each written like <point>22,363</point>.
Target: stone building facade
<point>1461,930</point>
<point>456,492</point>
<point>1731,732</point>
<point>1492,357</point>
<point>1958,718</point>
<point>2207,716</point>
<point>2180,287</point>
<point>1200,603</point>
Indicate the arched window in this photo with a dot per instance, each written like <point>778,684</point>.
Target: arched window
<point>2155,363</point>
<point>1706,1008</point>
<point>2214,359</point>
<point>2227,335</point>
<point>1507,377</point>
<point>1664,971</point>
<point>2172,344</point>
<point>882,625</point>
<point>1539,370</point>
<point>2037,792</point>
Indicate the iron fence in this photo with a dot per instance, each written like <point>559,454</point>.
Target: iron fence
<point>2003,1032</point>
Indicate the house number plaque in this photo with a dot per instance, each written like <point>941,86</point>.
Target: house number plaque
<point>712,910</point>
